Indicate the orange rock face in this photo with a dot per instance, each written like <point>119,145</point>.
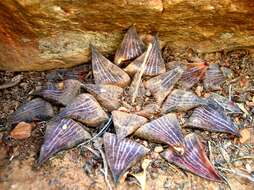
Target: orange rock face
<point>44,35</point>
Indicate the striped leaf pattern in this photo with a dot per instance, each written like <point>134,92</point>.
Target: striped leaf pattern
<point>126,123</point>
<point>130,48</point>
<point>213,77</point>
<point>194,160</point>
<point>207,118</point>
<point>121,154</point>
<point>60,135</point>
<point>182,100</point>
<point>34,110</point>
<point>60,96</point>
<point>223,103</point>
<point>105,72</point>
<point>160,86</point>
<point>193,74</point>
<point>109,96</point>
<point>85,109</point>
<point>165,129</point>
<point>155,64</point>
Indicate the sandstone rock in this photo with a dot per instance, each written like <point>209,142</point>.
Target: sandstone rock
<point>21,131</point>
<point>246,136</point>
<point>38,35</point>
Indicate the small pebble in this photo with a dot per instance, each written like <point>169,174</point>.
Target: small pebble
<point>60,85</point>
<point>238,164</point>
<point>124,109</point>
<point>146,99</point>
<point>206,95</point>
<point>241,154</point>
<point>250,104</point>
<point>148,93</point>
<point>248,168</point>
<point>167,184</point>
<point>245,135</point>
<point>21,131</point>
<point>138,108</point>
<point>154,175</point>
<point>23,84</point>
<point>227,72</point>
<point>158,149</point>
<point>199,90</point>
<point>145,143</point>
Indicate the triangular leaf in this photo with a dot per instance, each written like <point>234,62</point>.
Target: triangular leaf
<point>60,135</point>
<point>34,110</point>
<point>121,154</point>
<point>126,123</point>
<point>213,77</point>
<point>105,72</point>
<point>85,109</point>
<point>193,73</point>
<point>182,100</point>
<point>194,159</point>
<point>63,96</point>
<point>109,96</point>
<point>160,86</point>
<point>210,119</point>
<point>165,129</point>
<point>130,48</point>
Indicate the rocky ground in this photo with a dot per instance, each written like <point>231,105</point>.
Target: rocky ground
<point>80,168</point>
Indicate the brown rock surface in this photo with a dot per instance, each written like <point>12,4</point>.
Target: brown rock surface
<point>21,131</point>
<point>40,35</point>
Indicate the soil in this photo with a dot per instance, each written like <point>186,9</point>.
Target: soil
<point>79,168</point>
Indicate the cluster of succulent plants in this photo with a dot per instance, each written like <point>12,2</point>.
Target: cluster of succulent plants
<point>142,95</point>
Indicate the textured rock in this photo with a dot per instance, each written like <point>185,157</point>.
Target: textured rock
<point>21,131</point>
<point>38,35</point>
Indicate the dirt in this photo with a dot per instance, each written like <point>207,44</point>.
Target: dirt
<point>78,168</point>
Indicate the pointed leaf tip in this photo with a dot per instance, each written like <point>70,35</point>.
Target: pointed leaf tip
<point>92,47</point>
<point>207,118</point>
<point>33,110</point>
<point>182,100</point>
<point>213,77</point>
<point>194,159</point>
<point>121,154</point>
<point>193,73</point>
<point>222,103</point>
<point>130,48</point>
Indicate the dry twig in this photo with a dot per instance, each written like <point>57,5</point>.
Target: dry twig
<point>105,165</point>
<point>14,81</point>
<point>140,74</point>
<point>237,173</point>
